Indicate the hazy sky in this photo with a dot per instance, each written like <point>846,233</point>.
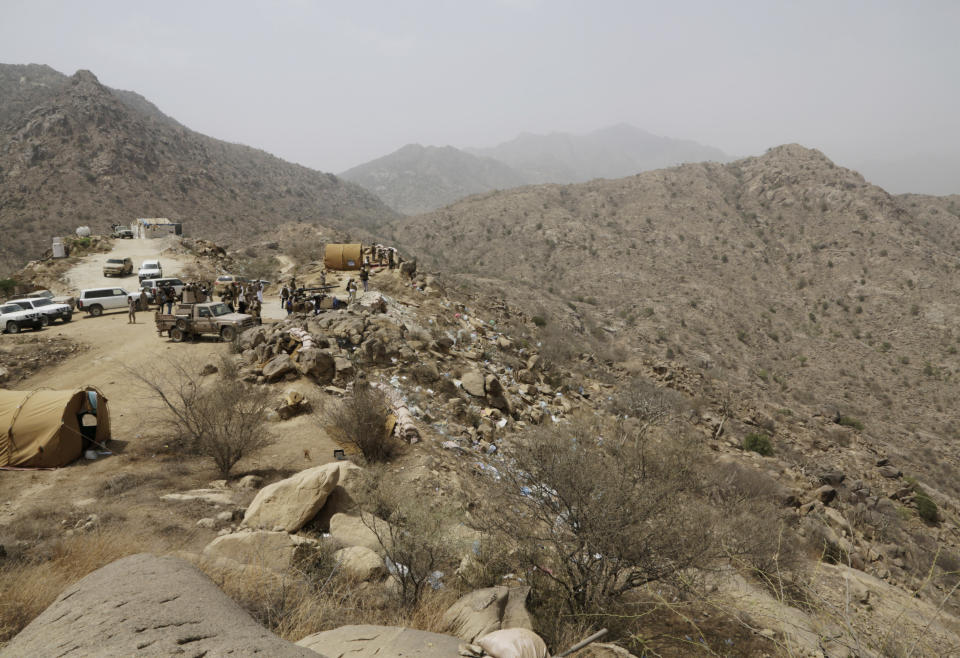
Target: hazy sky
<point>875,84</point>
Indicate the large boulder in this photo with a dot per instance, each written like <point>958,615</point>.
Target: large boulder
<point>289,504</point>
<point>473,383</point>
<point>278,366</point>
<point>315,364</point>
<point>351,530</point>
<point>381,642</point>
<point>361,563</point>
<point>262,548</point>
<point>251,338</point>
<point>496,395</point>
<point>343,497</point>
<point>486,610</point>
<point>144,605</point>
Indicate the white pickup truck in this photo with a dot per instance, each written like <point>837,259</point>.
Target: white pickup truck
<point>13,319</point>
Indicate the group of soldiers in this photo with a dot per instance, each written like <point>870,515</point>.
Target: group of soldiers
<point>383,256</point>
<point>243,297</point>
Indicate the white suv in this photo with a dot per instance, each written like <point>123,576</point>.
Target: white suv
<point>150,269</point>
<point>97,300</point>
<point>13,319</point>
<point>50,310</point>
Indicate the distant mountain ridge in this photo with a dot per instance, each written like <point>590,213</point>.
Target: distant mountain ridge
<point>417,179</point>
<point>614,152</point>
<point>74,152</point>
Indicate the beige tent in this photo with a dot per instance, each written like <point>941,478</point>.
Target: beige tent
<point>51,428</point>
<point>343,256</point>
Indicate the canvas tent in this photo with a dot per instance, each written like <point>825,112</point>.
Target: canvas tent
<point>50,428</point>
<point>343,256</point>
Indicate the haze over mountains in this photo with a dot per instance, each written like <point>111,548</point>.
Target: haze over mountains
<point>418,179</point>
<point>74,152</point>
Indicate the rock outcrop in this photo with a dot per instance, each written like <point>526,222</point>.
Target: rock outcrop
<point>289,504</point>
<point>146,605</point>
<point>381,642</point>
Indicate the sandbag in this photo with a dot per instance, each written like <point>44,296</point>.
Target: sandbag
<point>514,643</point>
<point>487,610</point>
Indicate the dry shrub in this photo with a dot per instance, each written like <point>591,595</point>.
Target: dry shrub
<point>360,421</point>
<point>28,587</point>
<point>222,418</point>
<point>315,596</point>
<point>597,512</point>
<point>415,536</point>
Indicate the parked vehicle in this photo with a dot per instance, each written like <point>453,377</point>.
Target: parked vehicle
<point>121,231</point>
<point>118,267</point>
<point>225,280</point>
<point>50,311</point>
<point>13,319</point>
<point>97,300</point>
<point>150,269</point>
<point>69,300</point>
<point>191,320</point>
<point>150,286</point>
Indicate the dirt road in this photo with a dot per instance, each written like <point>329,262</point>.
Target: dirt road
<point>114,345</point>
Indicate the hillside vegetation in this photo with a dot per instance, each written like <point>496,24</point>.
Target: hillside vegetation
<point>74,152</point>
<point>783,282</point>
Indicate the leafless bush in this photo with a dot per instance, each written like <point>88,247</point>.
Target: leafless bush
<point>596,512</point>
<point>360,420</point>
<point>223,419</point>
<point>414,537</point>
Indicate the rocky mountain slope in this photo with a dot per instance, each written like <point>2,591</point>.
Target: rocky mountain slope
<point>792,283</point>
<point>418,179</point>
<point>614,152</point>
<point>74,152</point>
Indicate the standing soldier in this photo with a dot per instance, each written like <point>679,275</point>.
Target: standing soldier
<point>365,278</point>
<point>132,310</point>
<point>351,290</point>
<point>284,295</point>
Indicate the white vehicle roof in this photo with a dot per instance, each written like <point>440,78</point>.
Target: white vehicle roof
<point>86,290</point>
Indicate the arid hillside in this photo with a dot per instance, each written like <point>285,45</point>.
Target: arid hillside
<point>416,179</point>
<point>74,152</point>
<point>793,283</point>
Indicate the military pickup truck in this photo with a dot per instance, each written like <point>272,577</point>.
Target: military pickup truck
<point>118,267</point>
<point>121,231</point>
<point>192,320</point>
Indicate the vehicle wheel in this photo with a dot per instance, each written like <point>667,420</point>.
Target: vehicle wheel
<point>228,334</point>
<point>176,334</point>
<point>36,328</point>
<point>96,310</point>
<point>13,328</point>
<point>44,320</point>
<point>67,318</point>
<point>182,324</point>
